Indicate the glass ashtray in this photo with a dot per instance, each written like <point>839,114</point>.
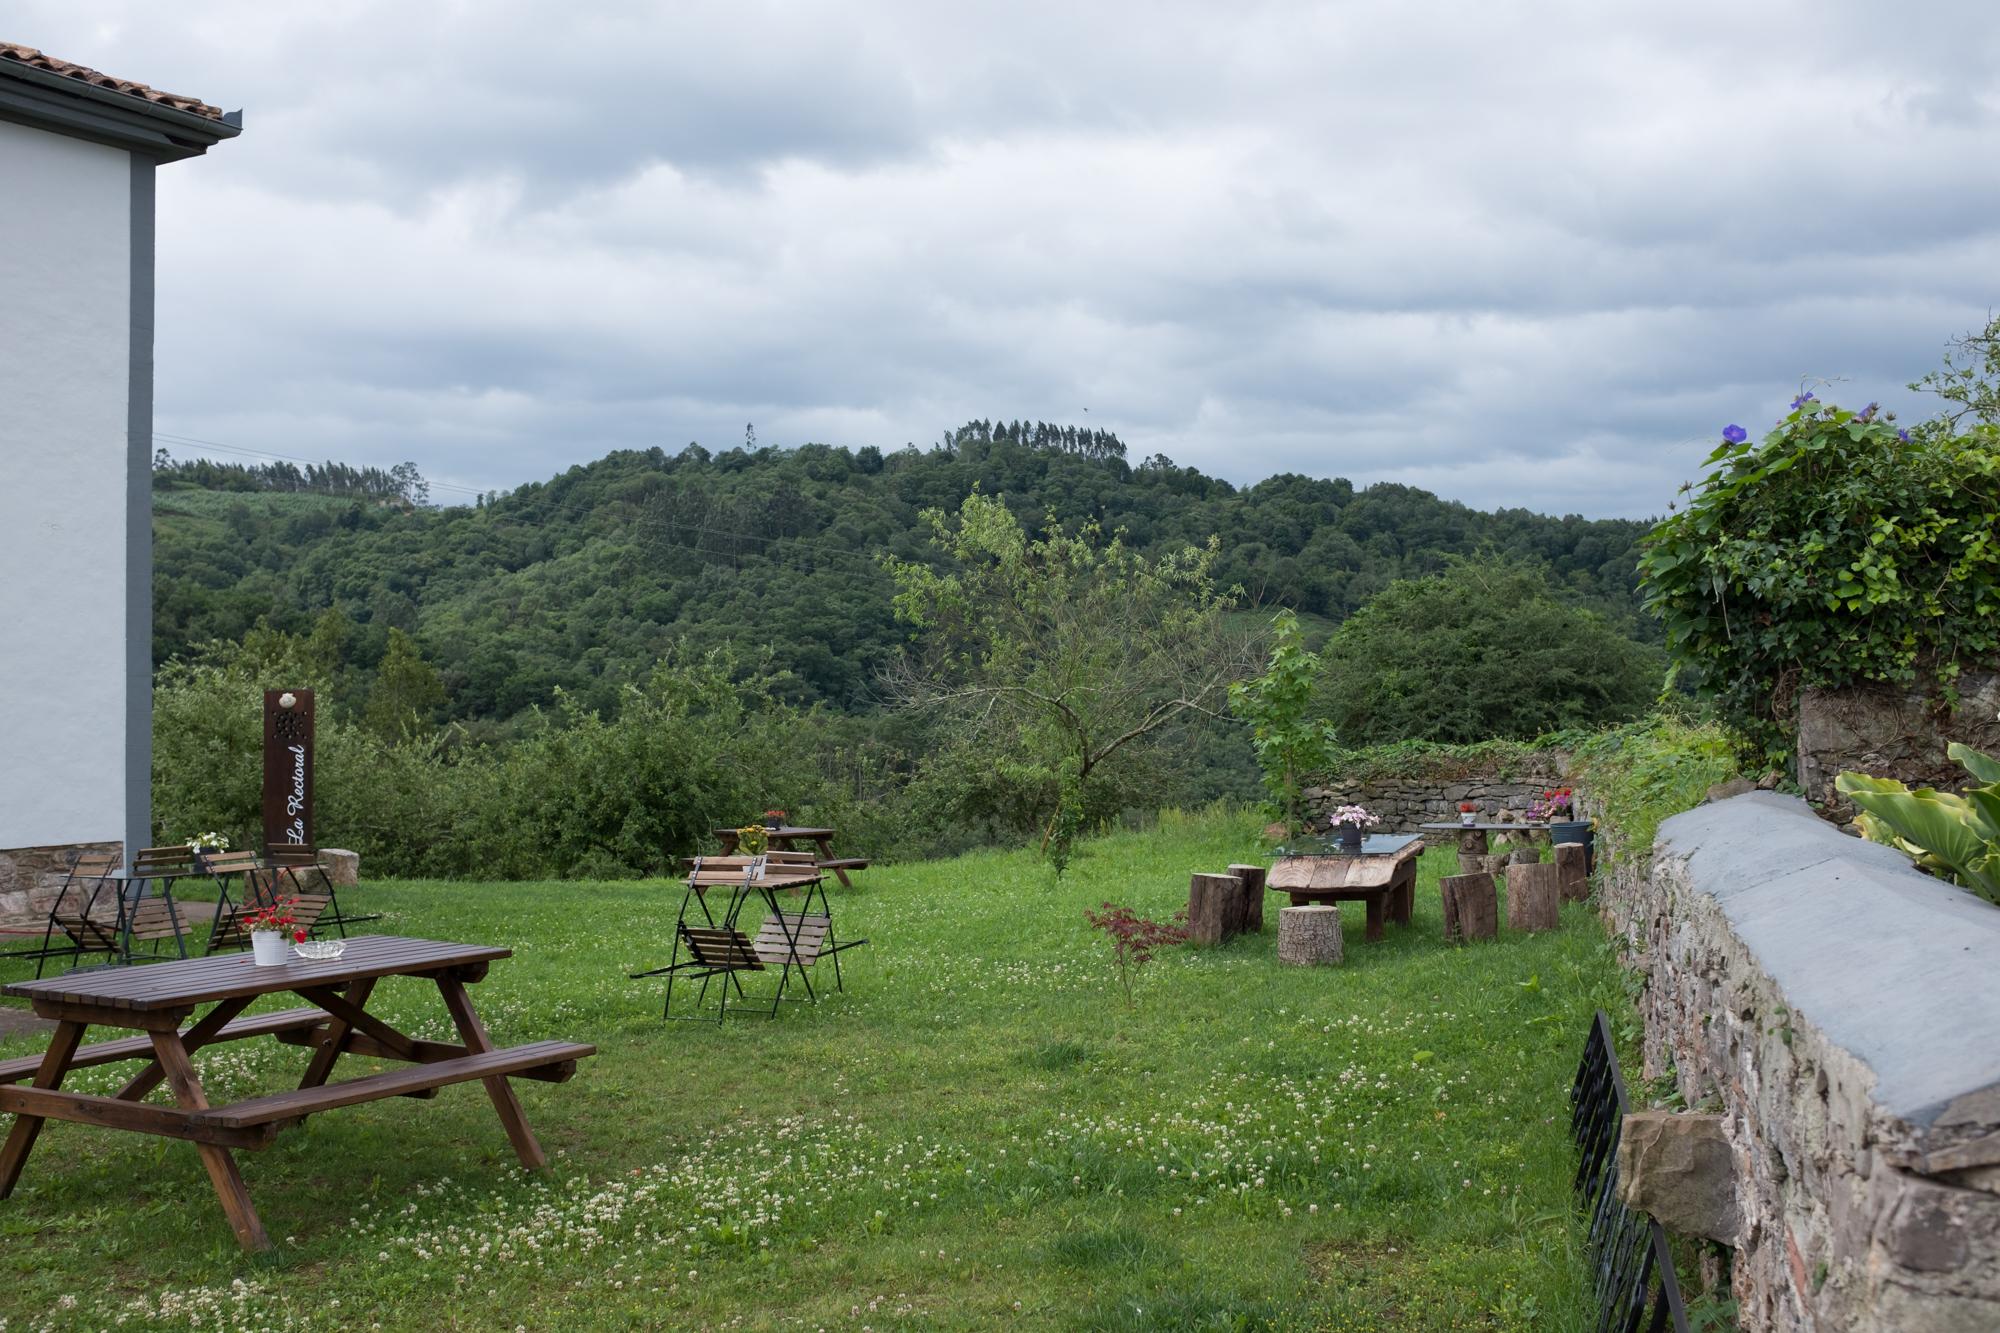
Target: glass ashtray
<point>320,951</point>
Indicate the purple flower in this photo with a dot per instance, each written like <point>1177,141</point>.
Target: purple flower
<point>1903,435</point>
<point>1868,413</point>
<point>1735,434</point>
<point>1802,400</point>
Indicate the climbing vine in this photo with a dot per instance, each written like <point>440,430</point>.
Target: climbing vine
<point>1838,549</point>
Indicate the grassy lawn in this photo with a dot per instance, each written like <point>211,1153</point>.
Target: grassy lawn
<point>978,1131</point>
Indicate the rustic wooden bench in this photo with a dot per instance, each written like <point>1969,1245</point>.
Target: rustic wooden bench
<point>555,1060</point>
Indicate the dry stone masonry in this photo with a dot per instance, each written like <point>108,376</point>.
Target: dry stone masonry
<point>1838,1010</point>
<point>1404,802</point>
<point>31,877</point>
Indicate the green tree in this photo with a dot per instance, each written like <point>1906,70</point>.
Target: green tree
<point>1969,381</point>
<point>407,691</point>
<point>1060,652</point>
<point>1291,744</point>
<point>1482,650</point>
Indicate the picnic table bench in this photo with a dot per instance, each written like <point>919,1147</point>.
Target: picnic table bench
<point>1383,876</point>
<point>157,1000</point>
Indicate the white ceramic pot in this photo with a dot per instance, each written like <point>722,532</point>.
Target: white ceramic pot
<point>269,947</point>
<point>1468,816</point>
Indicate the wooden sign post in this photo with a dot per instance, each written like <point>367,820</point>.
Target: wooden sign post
<point>288,768</point>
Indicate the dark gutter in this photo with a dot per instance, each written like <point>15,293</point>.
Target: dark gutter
<point>70,106</point>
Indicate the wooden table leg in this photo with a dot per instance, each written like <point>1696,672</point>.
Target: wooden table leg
<point>728,842</point>
<point>222,1172</point>
<point>196,1037</point>
<point>473,1033</point>
<point>1375,917</point>
<point>826,854</point>
<point>334,1041</point>
<point>27,1128</point>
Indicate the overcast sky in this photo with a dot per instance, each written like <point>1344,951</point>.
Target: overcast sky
<point>1516,253</point>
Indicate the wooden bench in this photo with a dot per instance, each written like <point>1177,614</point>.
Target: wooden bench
<point>555,1059</point>
<point>840,863</point>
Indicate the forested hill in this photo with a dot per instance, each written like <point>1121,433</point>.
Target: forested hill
<point>584,580</point>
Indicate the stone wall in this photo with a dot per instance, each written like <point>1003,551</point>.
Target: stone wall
<point>1406,801</point>
<point>1894,731</point>
<point>1838,1009</point>
<point>30,878</point>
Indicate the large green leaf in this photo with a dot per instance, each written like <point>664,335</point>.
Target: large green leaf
<point>1982,766</point>
<point>1948,826</point>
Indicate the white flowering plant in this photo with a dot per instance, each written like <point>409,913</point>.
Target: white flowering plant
<point>208,842</point>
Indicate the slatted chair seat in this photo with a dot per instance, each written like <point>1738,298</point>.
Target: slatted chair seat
<point>723,949</point>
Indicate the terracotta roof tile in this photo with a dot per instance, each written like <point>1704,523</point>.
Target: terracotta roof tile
<point>28,55</point>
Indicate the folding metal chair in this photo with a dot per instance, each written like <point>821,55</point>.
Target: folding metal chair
<point>785,941</point>
<point>312,888</point>
<point>84,913</point>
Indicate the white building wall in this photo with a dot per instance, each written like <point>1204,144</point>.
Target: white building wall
<point>65,375</point>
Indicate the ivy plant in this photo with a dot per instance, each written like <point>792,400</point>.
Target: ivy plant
<point>1839,549</point>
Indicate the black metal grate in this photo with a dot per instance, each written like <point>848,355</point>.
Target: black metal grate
<point>1631,1267</point>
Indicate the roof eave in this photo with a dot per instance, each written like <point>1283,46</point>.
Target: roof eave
<point>70,106</point>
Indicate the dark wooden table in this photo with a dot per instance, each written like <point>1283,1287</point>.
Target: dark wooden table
<point>156,1000</point>
<point>1472,837</point>
<point>1383,878</point>
<point>788,837</point>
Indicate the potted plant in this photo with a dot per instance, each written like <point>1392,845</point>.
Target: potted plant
<point>753,839</point>
<point>273,926</point>
<point>1559,808</point>
<point>1347,823</point>
<point>1468,813</point>
<point>774,819</point>
<point>207,844</point>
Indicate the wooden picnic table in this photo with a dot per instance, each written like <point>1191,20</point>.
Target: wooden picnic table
<point>1383,877</point>
<point>156,1000</point>
<point>787,837</point>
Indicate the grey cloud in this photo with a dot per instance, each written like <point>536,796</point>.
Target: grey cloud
<point>1525,255</point>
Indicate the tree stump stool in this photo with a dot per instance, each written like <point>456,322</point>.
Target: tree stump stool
<point>1253,895</point>
<point>1309,936</point>
<point>1215,908</point>
<point>1534,897</point>
<point>1572,865</point>
<point>1471,907</point>
<point>1472,842</point>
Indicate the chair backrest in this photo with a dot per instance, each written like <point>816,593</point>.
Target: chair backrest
<point>292,854</point>
<point>83,892</point>
<point>176,860</point>
<point>229,863</point>
<point>788,858</point>
<point>91,866</point>
<point>792,937</point>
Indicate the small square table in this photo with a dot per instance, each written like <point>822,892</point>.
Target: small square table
<point>155,1000</point>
